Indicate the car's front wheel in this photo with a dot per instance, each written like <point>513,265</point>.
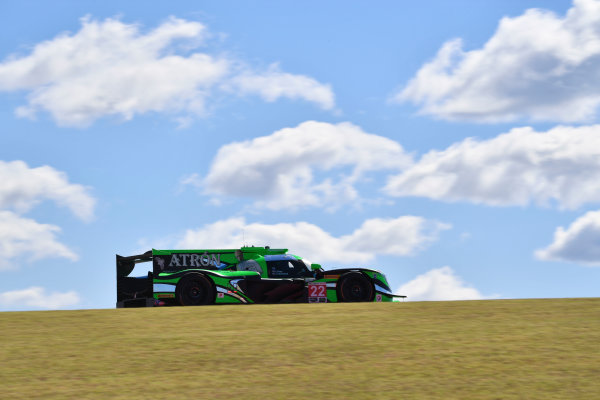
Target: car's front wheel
<point>195,290</point>
<point>354,287</point>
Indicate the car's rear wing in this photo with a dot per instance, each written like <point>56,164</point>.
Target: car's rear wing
<point>134,292</point>
<point>126,264</point>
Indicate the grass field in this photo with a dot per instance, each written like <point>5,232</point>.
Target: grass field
<point>496,349</point>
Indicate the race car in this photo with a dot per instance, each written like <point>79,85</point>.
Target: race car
<point>242,276</point>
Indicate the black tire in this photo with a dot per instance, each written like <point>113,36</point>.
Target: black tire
<point>195,290</point>
<point>355,287</point>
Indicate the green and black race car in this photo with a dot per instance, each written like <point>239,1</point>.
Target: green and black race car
<point>242,276</point>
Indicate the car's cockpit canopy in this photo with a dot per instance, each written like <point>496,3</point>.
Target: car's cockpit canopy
<point>287,266</point>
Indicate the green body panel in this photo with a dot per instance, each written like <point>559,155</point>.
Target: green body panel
<point>220,279</point>
<point>227,255</point>
<point>165,276</point>
<point>332,295</point>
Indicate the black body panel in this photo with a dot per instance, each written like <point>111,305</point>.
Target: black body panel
<point>274,290</point>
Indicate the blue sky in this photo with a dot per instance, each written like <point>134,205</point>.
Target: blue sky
<point>453,146</point>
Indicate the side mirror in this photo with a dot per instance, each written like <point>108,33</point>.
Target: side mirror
<point>315,267</point>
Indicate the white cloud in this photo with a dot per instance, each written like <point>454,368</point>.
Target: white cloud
<point>26,238</point>
<point>37,297</point>
<point>401,236</point>
<point>22,187</point>
<point>278,170</point>
<point>516,168</point>
<point>439,285</point>
<point>578,243</point>
<point>273,84</point>
<point>398,236</point>
<point>110,68</point>
<point>538,65</point>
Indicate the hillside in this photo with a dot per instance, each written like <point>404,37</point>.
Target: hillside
<point>496,349</point>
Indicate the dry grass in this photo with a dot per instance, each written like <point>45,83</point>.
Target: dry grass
<point>497,349</point>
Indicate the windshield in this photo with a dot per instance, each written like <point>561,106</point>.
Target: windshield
<point>288,269</point>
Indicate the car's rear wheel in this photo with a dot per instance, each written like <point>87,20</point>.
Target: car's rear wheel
<point>354,287</point>
<point>195,290</point>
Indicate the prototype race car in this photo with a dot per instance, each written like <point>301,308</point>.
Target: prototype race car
<point>241,276</point>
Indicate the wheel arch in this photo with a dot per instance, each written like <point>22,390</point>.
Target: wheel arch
<point>348,274</point>
<point>207,277</point>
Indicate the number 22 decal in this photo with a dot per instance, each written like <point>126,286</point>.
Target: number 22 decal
<point>317,289</point>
